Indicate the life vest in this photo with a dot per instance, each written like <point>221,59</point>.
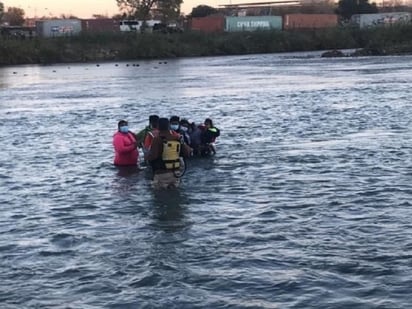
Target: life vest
<point>170,154</point>
<point>215,132</point>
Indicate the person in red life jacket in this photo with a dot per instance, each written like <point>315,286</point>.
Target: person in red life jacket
<point>125,146</point>
<point>164,157</point>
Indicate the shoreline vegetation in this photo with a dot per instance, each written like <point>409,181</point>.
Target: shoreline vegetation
<point>394,40</point>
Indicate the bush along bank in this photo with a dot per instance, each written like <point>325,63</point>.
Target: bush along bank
<point>110,47</point>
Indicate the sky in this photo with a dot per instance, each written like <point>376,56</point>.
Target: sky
<point>86,8</point>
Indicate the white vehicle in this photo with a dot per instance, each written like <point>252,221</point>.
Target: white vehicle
<point>130,25</point>
<point>152,22</point>
<point>135,25</point>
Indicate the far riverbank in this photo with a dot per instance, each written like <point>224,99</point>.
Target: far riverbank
<point>112,47</point>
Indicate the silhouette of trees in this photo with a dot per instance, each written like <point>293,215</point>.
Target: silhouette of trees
<point>347,8</point>
<point>203,11</point>
<point>14,16</point>
<point>1,11</point>
<point>167,10</point>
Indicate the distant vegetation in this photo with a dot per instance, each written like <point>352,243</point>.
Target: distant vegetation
<point>132,46</point>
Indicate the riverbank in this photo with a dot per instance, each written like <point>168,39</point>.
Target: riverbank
<point>111,47</point>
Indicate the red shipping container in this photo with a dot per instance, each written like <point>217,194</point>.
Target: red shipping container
<point>213,23</point>
<point>309,21</point>
<point>100,25</point>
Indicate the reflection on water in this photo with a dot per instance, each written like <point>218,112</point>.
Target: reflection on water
<point>305,205</point>
<point>127,171</point>
<point>169,209</point>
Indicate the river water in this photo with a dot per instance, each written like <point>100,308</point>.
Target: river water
<point>307,203</point>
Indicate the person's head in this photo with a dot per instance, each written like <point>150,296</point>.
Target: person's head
<point>184,125</point>
<point>208,123</point>
<point>163,124</point>
<point>153,121</point>
<point>174,123</point>
<point>123,126</point>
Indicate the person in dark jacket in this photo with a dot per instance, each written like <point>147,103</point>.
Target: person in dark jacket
<point>164,156</point>
<point>174,123</point>
<point>208,137</point>
<point>184,130</point>
<point>195,134</point>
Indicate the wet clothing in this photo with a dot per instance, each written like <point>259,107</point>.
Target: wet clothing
<point>196,139</point>
<point>165,181</point>
<point>141,135</point>
<point>150,135</point>
<point>156,151</point>
<point>202,139</point>
<point>186,137</point>
<point>209,135</point>
<point>155,158</point>
<point>125,149</point>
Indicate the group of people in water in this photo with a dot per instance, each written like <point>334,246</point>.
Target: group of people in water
<point>165,143</point>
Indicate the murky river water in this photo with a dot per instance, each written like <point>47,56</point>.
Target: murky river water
<point>306,205</point>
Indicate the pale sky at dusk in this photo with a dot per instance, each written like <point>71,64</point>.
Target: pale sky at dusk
<point>86,8</point>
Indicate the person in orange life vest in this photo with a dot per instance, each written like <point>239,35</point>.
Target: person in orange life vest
<point>147,143</point>
<point>125,146</point>
<point>164,172</point>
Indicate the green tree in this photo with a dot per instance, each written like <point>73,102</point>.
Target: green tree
<point>347,8</point>
<point>142,9</point>
<point>136,8</point>
<point>203,11</point>
<point>169,9</point>
<point>14,16</point>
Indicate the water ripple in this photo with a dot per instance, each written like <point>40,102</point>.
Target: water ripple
<point>306,204</point>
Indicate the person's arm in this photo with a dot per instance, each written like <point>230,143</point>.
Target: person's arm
<point>148,141</point>
<point>140,136</point>
<point>155,150</point>
<point>187,151</point>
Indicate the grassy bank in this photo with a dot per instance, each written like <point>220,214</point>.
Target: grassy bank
<point>106,47</point>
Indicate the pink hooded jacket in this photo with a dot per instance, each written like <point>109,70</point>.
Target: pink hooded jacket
<point>125,149</point>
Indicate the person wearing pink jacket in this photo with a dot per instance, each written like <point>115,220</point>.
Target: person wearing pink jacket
<point>125,146</point>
